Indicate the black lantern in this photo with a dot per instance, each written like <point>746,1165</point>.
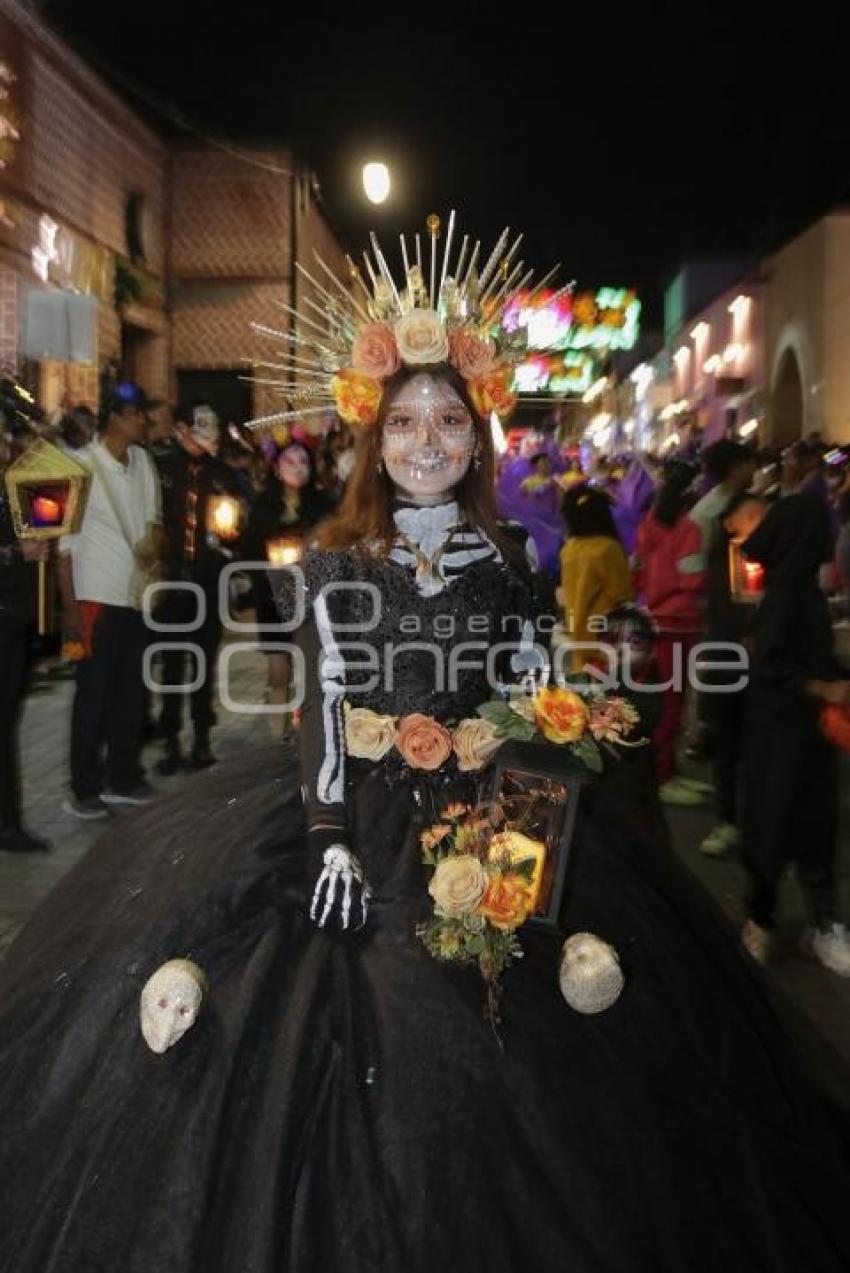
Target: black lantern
<point>538,787</point>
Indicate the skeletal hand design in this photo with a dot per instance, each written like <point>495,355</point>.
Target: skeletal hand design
<point>340,884</point>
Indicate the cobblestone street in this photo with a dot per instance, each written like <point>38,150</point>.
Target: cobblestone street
<point>25,880</point>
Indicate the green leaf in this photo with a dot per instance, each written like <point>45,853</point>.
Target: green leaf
<point>496,712</point>
<point>589,754</point>
<point>525,869</point>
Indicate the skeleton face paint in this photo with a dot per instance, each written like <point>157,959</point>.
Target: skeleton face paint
<point>170,1003</point>
<point>293,467</point>
<point>428,438</point>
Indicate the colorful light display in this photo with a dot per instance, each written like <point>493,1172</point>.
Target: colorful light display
<point>566,334</point>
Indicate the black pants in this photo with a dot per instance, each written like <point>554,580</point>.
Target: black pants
<point>13,665</point>
<point>724,714</point>
<point>790,810</point>
<point>181,607</point>
<point>109,705</point>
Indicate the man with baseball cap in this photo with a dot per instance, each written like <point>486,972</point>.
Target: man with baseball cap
<point>99,572</point>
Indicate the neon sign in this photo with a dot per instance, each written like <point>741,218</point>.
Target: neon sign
<point>602,321</point>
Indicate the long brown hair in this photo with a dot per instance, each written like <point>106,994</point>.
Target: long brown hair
<point>365,516</point>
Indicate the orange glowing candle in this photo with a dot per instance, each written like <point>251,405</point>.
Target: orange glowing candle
<point>283,552</point>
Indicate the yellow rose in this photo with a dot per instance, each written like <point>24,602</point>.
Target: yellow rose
<point>458,885</point>
<point>357,397</point>
<point>560,714</point>
<point>421,338</point>
<point>476,743</point>
<point>368,734</point>
<point>507,902</point>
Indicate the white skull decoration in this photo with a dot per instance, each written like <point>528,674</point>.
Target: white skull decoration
<point>591,978</point>
<point>170,1002</point>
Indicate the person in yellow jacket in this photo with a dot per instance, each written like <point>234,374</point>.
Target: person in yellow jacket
<point>595,574</point>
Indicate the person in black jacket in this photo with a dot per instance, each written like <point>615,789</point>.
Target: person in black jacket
<point>729,623</point>
<point>790,775</point>
<point>191,475</point>
<point>17,593</point>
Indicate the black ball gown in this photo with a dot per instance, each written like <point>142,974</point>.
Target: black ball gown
<point>342,1104</point>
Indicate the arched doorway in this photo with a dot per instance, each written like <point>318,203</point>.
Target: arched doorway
<point>787,401</point>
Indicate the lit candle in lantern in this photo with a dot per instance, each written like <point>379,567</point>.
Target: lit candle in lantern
<point>46,511</point>
<point>223,516</point>
<point>746,578</point>
<point>283,552</point>
<point>520,847</point>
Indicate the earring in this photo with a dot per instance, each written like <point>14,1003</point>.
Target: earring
<point>476,458</point>
<point>379,467</point>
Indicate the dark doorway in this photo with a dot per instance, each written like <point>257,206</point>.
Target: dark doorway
<point>230,397</point>
<point>787,401</point>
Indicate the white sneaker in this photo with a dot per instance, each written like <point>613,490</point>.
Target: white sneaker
<point>674,792</point>
<point>830,947</point>
<point>719,841</point>
<point>757,941</point>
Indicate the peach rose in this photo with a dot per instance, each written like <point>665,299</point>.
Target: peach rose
<point>507,902</point>
<point>368,735</point>
<point>421,338</point>
<point>423,742</point>
<point>493,393</point>
<point>374,352</point>
<point>560,714</point>
<point>476,743</point>
<point>458,885</point>
<point>472,356</point>
<point>357,397</point>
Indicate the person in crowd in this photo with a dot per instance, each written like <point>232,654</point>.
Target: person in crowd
<point>192,477</point>
<point>527,493</point>
<point>729,623</point>
<point>77,428</point>
<point>842,548</point>
<point>670,576</point>
<point>102,570</point>
<point>17,607</point>
<point>790,776</point>
<point>729,467</point>
<point>335,462</point>
<point>595,573</point>
<point>290,505</point>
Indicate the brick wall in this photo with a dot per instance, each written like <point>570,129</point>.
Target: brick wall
<point>230,217</point>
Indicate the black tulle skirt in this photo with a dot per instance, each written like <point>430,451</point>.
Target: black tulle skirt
<point>343,1105</point>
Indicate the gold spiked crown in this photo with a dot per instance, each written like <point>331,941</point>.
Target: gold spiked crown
<point>347,341</point>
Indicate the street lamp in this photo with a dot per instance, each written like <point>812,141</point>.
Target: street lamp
<point>376,182</point>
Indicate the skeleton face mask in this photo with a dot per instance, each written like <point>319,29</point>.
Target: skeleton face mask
<point>170,1003</point>
<point>428,438</point>
<point>293,467</point>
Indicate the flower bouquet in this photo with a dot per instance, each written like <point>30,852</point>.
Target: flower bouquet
<point>486,878</point>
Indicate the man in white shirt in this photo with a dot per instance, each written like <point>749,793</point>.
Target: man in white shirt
<point>96,570</point>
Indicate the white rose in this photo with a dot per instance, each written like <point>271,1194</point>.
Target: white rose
<point>476,743</point>
<point>421,338</point>
<point>368,735</point>
<point>458,885</point>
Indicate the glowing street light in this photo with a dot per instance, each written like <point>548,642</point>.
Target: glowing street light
<point>376,182</point>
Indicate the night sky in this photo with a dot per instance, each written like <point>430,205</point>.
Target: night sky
<point>618,147</point>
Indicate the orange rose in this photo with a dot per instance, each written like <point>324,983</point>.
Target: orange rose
<point>560,714</point>
<point>472,356</point>
<point>357,397</point>
<point>507,902</point>
<point>422,741</point>
<point>374,352</point>
<point>493,393</point>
